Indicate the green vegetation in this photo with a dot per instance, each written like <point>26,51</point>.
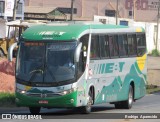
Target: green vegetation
<point>155,52</point>
<point>7,99</point>
<point>152,89</point>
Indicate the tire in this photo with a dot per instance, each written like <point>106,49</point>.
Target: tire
<point>87,109</point>
<point>118,105</point>
<point>34,110</point>
<point>128,103</point>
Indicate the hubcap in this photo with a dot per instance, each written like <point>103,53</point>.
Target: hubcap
<point>130,97</point>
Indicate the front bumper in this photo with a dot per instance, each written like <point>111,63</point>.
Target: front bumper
<point>68,100</point>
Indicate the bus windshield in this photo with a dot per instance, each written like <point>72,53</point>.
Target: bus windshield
<point>46,62</point>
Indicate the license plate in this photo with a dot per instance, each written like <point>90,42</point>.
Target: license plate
<point>43,102</point>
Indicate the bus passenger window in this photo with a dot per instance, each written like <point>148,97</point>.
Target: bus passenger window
<point>132,49</point>
<point>82,60</point>
<point>113,46</point>
<point>104,46</point>
<point>95,47</point>
<point>122,43</point>
<point>141,44</point>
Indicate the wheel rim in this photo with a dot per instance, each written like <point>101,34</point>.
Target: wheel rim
<point>130,100</point>
<point>89,103</point>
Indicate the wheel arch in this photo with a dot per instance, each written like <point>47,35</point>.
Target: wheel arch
<point>92,89</point>
<point>133,86</point>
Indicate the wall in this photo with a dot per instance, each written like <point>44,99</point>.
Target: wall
<point>8,11</point>
<point>2,28</point>
<point>144,10</point>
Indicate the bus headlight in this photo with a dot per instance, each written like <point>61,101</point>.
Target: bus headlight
<point>20,91</point>
<point>69,91</point>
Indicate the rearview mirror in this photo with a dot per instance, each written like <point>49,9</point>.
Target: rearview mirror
<point>10,51</point>
<point>77,52</point>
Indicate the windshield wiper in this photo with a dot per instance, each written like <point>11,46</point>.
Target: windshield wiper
<point>35,71</point>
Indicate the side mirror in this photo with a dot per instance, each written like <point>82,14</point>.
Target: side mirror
<point>10,51</point>
<point>77,52</point>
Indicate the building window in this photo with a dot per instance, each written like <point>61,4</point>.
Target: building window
<point>19,8</point>
<point>1,6</point>
<point>110,13</point>
<point>67,10</point>
<point>130,13</point>
<point>103,21</point>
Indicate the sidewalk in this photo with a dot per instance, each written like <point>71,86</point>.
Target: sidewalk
<point>153,71</point>
<point>153,63</point>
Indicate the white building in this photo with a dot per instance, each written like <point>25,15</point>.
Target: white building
<point>6,9</point>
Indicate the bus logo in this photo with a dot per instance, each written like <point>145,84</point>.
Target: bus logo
<point>43,95</point>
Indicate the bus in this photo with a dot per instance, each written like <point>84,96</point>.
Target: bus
<point>80,64</point>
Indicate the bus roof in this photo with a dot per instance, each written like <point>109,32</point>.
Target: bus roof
<point>72,31</point>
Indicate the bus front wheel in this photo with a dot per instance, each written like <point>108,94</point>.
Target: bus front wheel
<point>87,109</point>
<point>34,110</point>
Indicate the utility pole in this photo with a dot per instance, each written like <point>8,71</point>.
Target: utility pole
<point>117,13</point>
<point>158,16</point>
<point>14,10</point>
<point>72,10</point>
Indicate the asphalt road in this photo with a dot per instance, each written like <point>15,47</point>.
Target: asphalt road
<point>146,106</point>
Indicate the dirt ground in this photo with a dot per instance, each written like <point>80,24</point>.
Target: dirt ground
<point>7,78</point>
<point>7,72</point>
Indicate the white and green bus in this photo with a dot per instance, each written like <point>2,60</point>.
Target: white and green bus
<point>79,65</point>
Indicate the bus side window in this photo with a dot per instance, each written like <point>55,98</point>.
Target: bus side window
<point>113,46</point>
<point>104,45</point>
<point>122,43</point>
<point>141,44</point>
<point>132,48</point>
<point>82,60</point>
<point>95,51</point>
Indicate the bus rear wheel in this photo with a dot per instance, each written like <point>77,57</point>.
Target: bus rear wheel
<point>128,103</point>
<point>34,110</point>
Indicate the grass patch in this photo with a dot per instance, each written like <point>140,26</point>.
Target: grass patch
<point>152,89</point>
<point>155,53</point>
<point>7,99</point>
